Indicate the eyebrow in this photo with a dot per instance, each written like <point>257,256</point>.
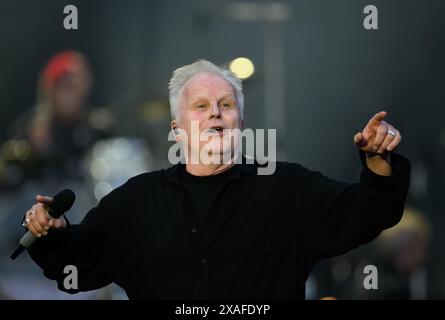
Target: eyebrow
<point>198,97</point>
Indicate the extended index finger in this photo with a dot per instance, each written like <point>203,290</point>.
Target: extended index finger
<point>378,117</point>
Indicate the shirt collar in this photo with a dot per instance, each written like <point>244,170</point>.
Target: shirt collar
<point>172,174</point>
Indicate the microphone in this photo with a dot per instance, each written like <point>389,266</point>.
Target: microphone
<point>61,202</point>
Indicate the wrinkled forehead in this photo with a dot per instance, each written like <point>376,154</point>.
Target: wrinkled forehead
<point>207,85</point>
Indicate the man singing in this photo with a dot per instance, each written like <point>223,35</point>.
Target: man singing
<point>220,230</point>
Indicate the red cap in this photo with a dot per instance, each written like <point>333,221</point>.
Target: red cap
<point>61,63</point>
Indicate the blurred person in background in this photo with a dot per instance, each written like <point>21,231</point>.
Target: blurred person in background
<point>403,252</point>
<point>399,254</point>
<point>50,141</point>
<point>47,148</point>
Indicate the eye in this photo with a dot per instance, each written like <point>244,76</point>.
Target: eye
<point>201,106</point>
<point>226,105</point>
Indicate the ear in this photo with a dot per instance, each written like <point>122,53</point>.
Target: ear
<point>174,127</point>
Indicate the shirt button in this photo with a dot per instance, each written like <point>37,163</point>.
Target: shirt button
<point>194,230</point>
<point>203,260</point>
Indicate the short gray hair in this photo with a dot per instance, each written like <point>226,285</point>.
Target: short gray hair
<point>182,74</point>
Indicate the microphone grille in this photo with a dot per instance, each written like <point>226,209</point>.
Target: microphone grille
<point>62,202</point>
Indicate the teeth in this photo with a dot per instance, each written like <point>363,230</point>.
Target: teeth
<point>216,130</point>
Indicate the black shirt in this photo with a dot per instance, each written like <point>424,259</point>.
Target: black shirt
<point>201,195</point>
<point>267,232</point>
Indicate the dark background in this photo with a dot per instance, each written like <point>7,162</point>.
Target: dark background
<point>336,76</point>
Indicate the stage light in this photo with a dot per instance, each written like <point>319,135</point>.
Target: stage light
<point>22,150</point>
<point>16,149</point>
<point>100,169</point>
<point>242,67</point>
<point>101,189</point>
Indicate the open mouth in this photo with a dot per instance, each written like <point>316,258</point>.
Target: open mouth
<point>216,130</point>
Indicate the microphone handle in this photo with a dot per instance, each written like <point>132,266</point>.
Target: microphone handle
<point>26,241</point>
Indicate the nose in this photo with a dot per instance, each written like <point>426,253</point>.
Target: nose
<point>215,112</point>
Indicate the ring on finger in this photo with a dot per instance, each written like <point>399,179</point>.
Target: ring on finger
<point>391,132</point>
<point>25,222</point>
